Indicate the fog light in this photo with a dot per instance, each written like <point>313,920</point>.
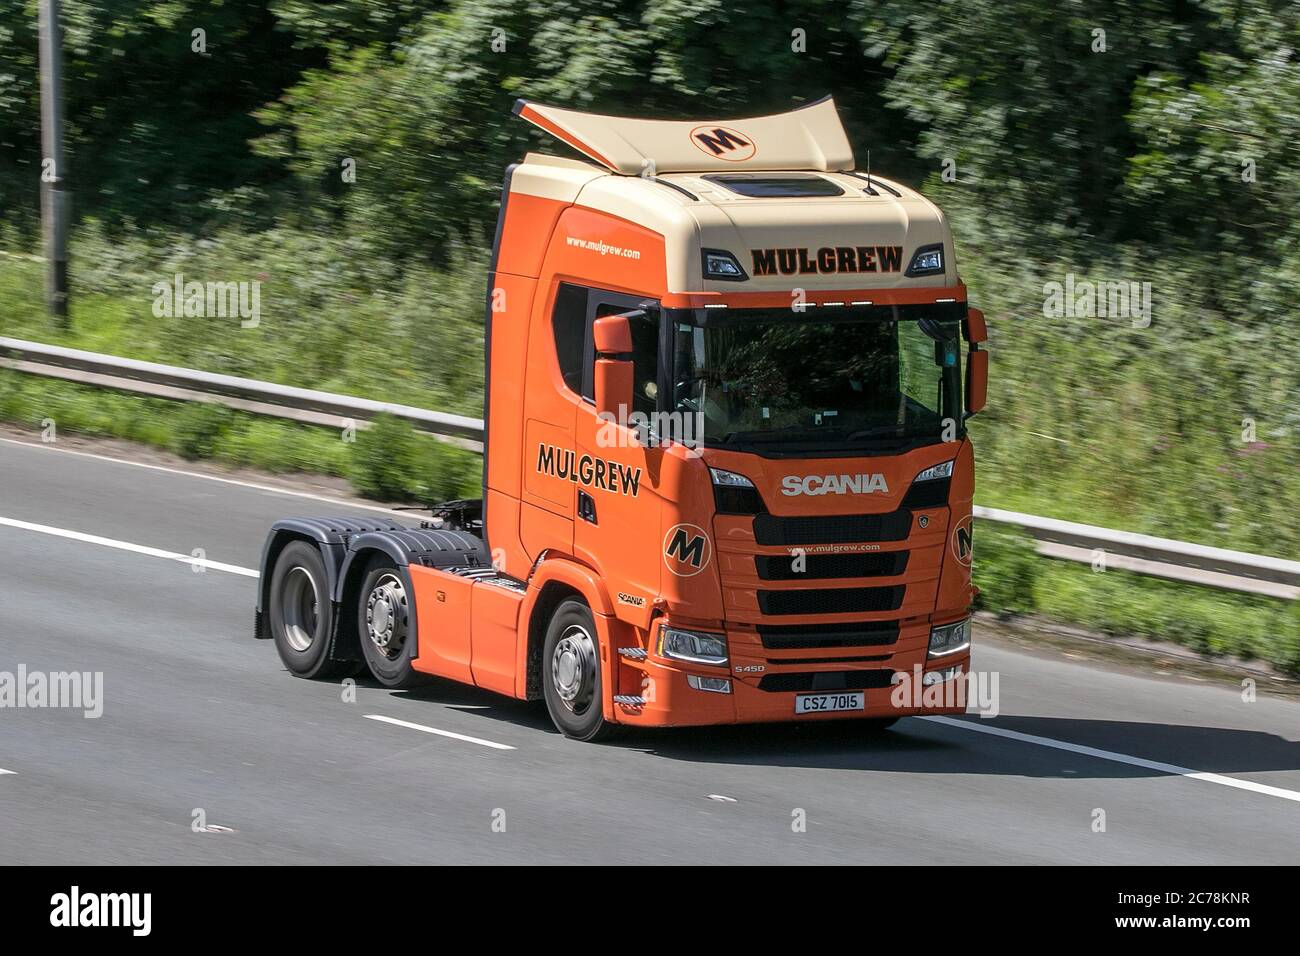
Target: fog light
<point>930,678</point>
<point>950,639</point>
<point>716,685</point>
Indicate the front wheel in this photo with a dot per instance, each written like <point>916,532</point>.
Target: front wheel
<point>571,678</point>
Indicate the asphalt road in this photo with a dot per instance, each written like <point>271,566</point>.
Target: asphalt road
<point>198,716</point>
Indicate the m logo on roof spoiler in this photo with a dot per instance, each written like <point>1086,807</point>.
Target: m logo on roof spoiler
<point>809,137</point>
<point>723,143</point>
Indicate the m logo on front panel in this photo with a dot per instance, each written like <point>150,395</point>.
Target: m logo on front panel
<point>687,550</point>
<point>963,540</point>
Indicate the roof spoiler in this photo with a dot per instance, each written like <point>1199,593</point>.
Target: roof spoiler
<point>808,138</point>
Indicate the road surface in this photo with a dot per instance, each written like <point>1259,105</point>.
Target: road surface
<point>201,723</point>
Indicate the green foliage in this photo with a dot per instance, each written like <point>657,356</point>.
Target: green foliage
<point>197,429</point>
<point>391,461</point>
<point>1006,570</point>
<point>156,132</point>
<point>388,459</point>
<point>1210,621</point>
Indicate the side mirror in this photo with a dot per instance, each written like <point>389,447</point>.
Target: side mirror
<point>612,378</point>
<point>977,362</point>
<point>977,380</point>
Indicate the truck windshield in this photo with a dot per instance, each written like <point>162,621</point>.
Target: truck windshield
<point>828,379</point>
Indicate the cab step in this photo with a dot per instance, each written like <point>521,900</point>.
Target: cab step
<point>632,653</point>
<point>629,700</point>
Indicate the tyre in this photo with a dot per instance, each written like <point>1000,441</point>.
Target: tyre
<point>301,612</point>
<point>386,623</point>
<point>571,673</point>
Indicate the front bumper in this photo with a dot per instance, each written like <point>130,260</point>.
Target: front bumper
<point>894,684</point>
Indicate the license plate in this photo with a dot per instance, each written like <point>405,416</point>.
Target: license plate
<point>826,703</point>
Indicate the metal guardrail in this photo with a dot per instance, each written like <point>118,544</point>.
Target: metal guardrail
<point>246,394</point>
<point>1065,540</point>
<point>1155,557</point>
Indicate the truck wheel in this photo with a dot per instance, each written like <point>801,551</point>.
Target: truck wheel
<point>571,673</point>
<point>384,624</point>
<point>301,612</point>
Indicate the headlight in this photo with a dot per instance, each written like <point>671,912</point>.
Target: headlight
<point>735,494</point>
<point>695,646</point>
<point>729,479</point>
<point>927,261</point>
<point>720,264</point>
<point>950,638</point>
<point>943,470</point>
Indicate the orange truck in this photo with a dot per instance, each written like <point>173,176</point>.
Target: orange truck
<point>726,472</point>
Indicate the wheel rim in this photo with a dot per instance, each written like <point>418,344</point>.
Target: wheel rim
<point>387,616</point>
<point>301,608</point>
<point>573,669</point>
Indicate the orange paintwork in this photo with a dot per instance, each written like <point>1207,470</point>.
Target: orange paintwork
<point>443,615</point>
<point>479,632</point>
<point>533,116</point>
<point>977,384</point>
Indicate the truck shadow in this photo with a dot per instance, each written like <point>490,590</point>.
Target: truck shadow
<point>918,745</point>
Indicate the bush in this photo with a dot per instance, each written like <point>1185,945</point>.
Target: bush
<point>392,461</point>
<point>1288,642</point>
<point>197,429</point>
<point>1005,569</point>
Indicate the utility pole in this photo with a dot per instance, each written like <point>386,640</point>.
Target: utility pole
<point>54,200</point>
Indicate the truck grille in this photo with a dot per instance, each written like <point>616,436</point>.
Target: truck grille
<point>815,566</point>
<point>787,637</point>
<point>828,680</point>
<point>836,601</point>
<point>772,529</point>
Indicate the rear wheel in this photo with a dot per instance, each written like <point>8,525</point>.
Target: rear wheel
<point>571,674</point>
<point>301,612</point>
<point>386,624</point>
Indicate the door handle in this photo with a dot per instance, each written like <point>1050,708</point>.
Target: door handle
<point>586,507</point>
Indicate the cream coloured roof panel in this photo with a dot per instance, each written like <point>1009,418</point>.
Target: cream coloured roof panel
<point>808,138</point>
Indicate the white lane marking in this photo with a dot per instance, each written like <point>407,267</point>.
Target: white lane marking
<point>128,546</point>
<point>14,772</point>
<point>1120,758</point>
<point>197,474</point>
<point>441,733</point>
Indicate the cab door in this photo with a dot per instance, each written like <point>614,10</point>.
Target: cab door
<point>618,499</point>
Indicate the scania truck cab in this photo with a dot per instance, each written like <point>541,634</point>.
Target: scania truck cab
<point>726,471</point>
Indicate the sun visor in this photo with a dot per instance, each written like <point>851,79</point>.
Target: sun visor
<point>809,138</point>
